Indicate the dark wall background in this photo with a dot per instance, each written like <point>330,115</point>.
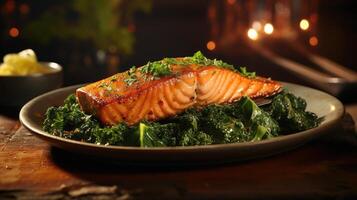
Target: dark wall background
<point>179,28</point>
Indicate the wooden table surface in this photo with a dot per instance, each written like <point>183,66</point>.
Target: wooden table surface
<point>31,169</point>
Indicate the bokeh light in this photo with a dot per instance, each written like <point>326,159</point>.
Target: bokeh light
<point>313,41</point>
<point>268,28</point>
<point>252,34</point>
<point>211,45</point>
<point>14,32</point>
<point>257,25</point>
<point>304,24</point>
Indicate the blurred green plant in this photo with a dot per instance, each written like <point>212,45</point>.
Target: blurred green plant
<point>104,23</point>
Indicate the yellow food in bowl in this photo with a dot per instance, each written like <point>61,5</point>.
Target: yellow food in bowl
<point>22,64</point>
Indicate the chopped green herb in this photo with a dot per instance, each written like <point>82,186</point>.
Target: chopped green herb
<point>131,76</point>
<point>108,88</point>
<point>103,85</point>
<point>161,68</point>
<point>244,72</point>
<point>199,59</point>
<point>114,78</point>
<point>156,69</point>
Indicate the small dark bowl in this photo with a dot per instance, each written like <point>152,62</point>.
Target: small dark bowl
<point>15,91</point>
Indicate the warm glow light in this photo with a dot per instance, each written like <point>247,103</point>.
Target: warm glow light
<point>10,6</point>
<point>14,32</point>
<point>231,2</point>
<point>304,24</point>
<point>268,28</point>
<point>131,27</point>
<point>211,45</point>
<point>313,41</point>
<point>313,18</point>
<point>252,34</point>
<point>24,9</point>
<point>257,25</point>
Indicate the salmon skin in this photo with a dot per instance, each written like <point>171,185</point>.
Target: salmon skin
<point>134,96</point>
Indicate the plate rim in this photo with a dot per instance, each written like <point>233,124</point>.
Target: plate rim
<point>24,121</point>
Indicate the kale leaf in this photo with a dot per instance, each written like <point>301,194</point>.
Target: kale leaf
<point>290,112</point>
<point>260,123</point>
<point>153,134</point>
<point>222,127</point>
<point>188,132</point>
<point>69,121</point>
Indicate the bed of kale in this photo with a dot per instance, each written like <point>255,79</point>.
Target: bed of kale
<point>241,121</point>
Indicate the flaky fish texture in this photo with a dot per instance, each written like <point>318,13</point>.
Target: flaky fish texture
<point>113,100</point>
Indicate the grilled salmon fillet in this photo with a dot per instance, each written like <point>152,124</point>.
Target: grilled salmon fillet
<point>114,99</point>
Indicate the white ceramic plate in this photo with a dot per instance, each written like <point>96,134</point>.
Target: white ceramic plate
<point>323,104</point>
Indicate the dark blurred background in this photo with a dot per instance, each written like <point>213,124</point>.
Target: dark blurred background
<point>94,39</point>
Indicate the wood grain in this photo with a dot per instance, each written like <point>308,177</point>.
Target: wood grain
<point>30,168</point>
